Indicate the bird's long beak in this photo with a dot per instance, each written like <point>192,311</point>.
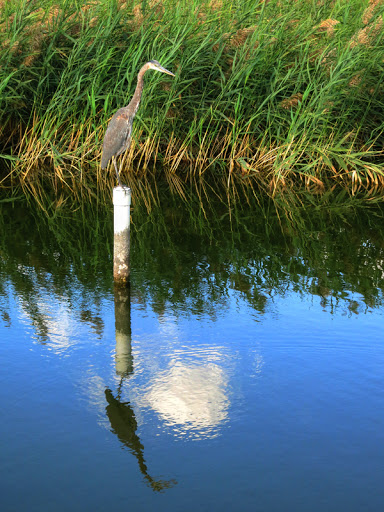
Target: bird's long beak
<point>165,71</point>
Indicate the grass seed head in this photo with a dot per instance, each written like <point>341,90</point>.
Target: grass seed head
<point>239,38</point>
<point>366,36</point>
<point>154,6</point>
<point>328,26</point>
<point>371,11</point>
<point>356,79</point>
<point>216,5</point>
<point>292,102</point>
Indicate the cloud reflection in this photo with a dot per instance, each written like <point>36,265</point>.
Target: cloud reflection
<point>191,398</point>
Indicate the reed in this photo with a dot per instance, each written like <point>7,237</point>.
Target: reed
<point>268,96</point>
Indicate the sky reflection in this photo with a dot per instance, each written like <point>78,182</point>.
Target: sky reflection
<point>263,368</point>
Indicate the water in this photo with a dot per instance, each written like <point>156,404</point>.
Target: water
<point>243,370</point>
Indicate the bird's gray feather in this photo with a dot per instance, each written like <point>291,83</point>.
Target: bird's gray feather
<point>117,137</point>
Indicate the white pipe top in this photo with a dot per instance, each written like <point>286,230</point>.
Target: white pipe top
<point>122,196</point>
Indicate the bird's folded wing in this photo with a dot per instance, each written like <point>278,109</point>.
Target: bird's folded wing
<point>117,137</point>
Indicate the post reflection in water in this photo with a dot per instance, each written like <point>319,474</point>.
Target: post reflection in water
<point>120,414</point>
<point>123,356</point>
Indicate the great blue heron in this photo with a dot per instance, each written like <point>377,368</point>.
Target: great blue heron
<point>118,135</point>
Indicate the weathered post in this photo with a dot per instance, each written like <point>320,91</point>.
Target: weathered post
<point>121,243</point>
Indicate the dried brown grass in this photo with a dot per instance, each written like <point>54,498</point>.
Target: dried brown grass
<point>356,79</point>
<point>154,6</point>
<point>41,25</point>
<point>292,102</point>
<point>215,5</point>
<point>239,38</point>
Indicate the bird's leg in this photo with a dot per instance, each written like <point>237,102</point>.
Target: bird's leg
<point>121,166</point>
<point>117,172</point>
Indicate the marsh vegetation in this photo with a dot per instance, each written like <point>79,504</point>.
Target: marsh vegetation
<point>268,95</point>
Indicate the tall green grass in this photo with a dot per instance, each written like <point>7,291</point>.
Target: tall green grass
<point>268,95</point>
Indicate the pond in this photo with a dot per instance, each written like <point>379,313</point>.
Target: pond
<point>242,370</point>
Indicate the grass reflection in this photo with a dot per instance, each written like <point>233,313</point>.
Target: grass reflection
<point>190,260</point>
<point>333,251</point>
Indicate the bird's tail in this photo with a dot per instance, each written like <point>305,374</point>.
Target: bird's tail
<point>104,160</point>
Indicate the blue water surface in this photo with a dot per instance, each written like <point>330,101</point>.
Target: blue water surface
<point>146,400</point>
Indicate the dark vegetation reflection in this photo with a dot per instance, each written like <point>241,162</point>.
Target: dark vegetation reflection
<point>192,261</point>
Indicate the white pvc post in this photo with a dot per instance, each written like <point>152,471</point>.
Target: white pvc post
<point>121,242</point>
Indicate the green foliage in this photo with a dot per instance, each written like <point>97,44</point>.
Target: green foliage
<point>275,93</point>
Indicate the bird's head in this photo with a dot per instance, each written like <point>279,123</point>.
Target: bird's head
<point>153,64</point>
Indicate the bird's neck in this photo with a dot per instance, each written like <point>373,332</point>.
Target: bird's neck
<point>135,102</point>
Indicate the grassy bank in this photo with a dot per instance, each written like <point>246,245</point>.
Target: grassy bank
<point>268,95</point>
